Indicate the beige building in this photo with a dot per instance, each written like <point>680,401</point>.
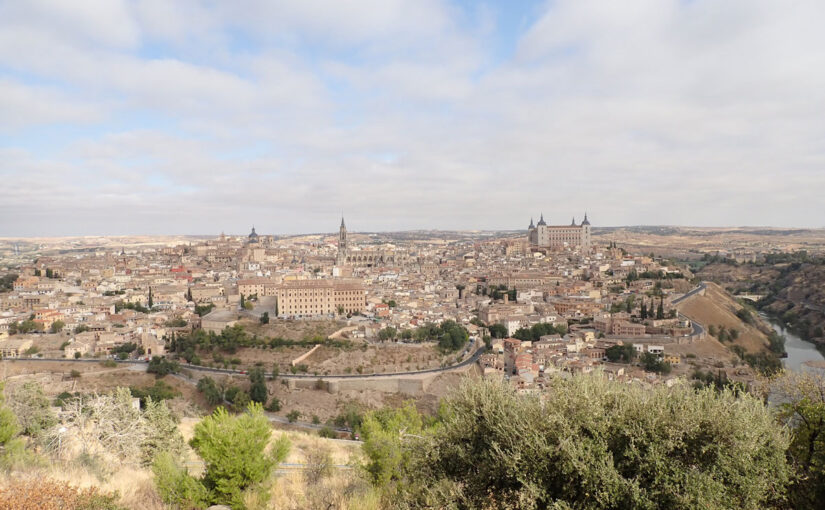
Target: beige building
<point>14,347</point>
<point>543,235</point>
<point>307,298</point>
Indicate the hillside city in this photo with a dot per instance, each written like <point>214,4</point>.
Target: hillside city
<point>412,255</point>
<point>546,303</point>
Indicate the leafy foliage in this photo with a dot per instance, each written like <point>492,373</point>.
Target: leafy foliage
<point>160,366</point>
<point>32,408</point>
<point>652,363</point>
<point>536,331</point>
<point>589,443</point>
<point>257,390</point>
<point>624,353</point>
<point>803,408</point>
<point>234,451</point>
<point>44,494</point>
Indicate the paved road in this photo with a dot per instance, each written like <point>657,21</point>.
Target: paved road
<point>698,329</point>
<point>228,371</point>
<point>702,286</point>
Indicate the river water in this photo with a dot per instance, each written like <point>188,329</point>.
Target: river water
<point>799,351</point>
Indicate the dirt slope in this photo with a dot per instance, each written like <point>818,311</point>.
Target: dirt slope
<point>719,308</point>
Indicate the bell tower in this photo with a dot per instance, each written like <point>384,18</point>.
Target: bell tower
<point>343,249</point>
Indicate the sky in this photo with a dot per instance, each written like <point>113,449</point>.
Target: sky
<point>196,117</point>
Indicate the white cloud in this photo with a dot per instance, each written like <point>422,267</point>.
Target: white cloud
<point>403,115</point>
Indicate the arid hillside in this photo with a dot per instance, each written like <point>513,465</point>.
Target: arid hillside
<point>718,308</point>
<point>793,286</point>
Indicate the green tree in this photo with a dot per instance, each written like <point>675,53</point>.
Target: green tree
<point>624,353</point>
<point>591,443</point>
<point>257,389</point>
<point>385,433</point>
<point>150,302</point>
<point>211,392</point>
<point>652,363</point>
<point>264,318</point>
<point>13,451</point>
<point>803,410</point>
<point>498,331</point>
<point>32,408</point>
<point>57,326</point>
<point>160,366</point>
<point>234,451</point>
<point>388,333</point>
<point>660,311</point>
<point>643,310</point>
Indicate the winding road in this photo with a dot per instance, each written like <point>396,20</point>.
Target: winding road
<point>233,372</point>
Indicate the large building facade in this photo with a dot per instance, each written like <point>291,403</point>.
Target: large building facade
<point>372,256</point>
<point>310,298</point>
<point>556,237</point>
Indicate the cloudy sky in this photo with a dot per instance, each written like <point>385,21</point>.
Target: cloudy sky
<point>159,117</point>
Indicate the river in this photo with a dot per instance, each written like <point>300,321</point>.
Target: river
<point>799,351</point>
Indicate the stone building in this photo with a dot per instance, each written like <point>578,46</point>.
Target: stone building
<point>554,237</point>
<point>309,298</point>
<point>365,256</point>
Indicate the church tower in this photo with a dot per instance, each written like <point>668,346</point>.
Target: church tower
<point>343,249</point>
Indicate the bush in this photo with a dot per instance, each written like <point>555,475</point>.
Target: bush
<point>160,366</point>
<point>257,389</point>
<point>13,451</point>
<point>175,486</point>
<point>74,374</point>
<point>274,405</point>
<point>318,465</point>
<point>327,432</point>
<point>210,390</point>
<point>33,410</point>
<point>51,494</point>
<point>588,443</point>
<point>233,449</point>
<point>293,416</point>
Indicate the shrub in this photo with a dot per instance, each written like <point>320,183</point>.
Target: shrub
<point>74,374</point>
<point>327,432</point>
<point>40,494</point>
<point>293,416</point>
<point>274,405</point>
<point>175,486</point>
<point>32,408</point>
<point>318,465</point>
<point>13,451</point>
<point>160,366</point>
<point>589,443</point>
<point>257,389</point>
<point>233,449</point>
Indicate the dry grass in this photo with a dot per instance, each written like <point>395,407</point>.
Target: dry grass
<point>717,308</point>
<point>69,486</point>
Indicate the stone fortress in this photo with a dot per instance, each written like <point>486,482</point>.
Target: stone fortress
<point>542,235</point>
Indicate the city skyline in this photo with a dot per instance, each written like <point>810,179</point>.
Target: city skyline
<point>161,119</point>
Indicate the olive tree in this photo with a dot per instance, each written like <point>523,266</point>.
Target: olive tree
<point>591,443</point>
